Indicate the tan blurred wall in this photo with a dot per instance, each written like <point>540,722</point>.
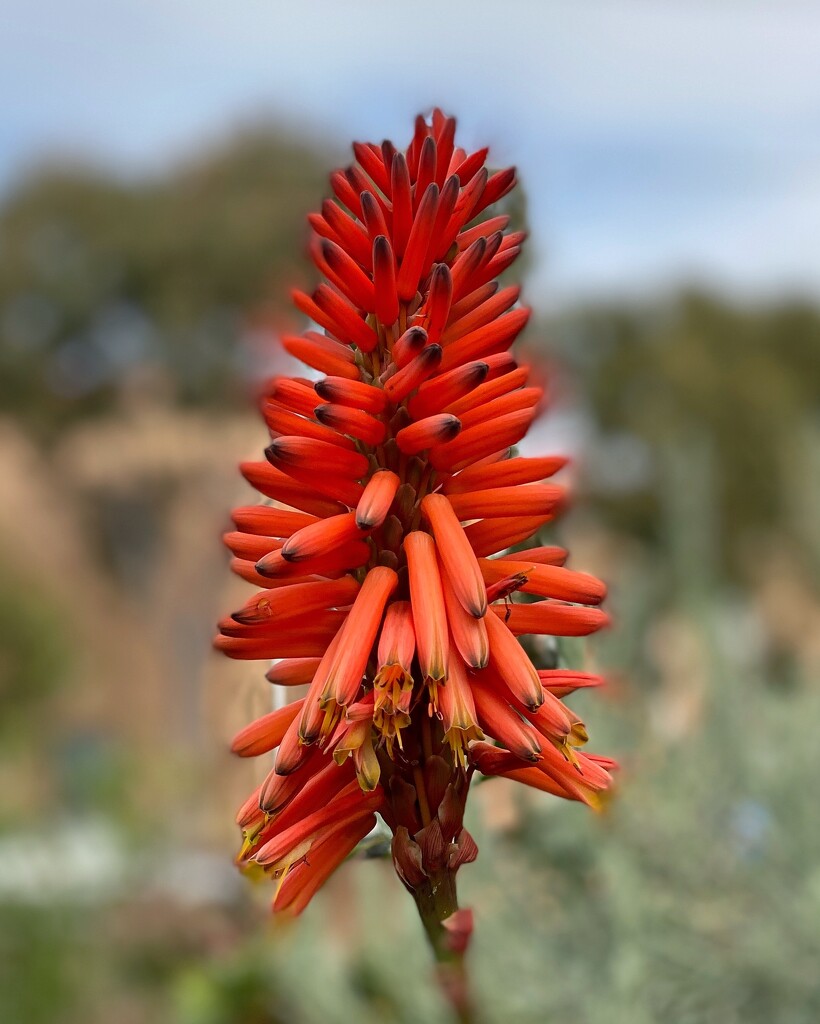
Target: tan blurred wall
<point>146,676</point>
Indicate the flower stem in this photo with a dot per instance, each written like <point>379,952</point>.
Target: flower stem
<point>436,900</point>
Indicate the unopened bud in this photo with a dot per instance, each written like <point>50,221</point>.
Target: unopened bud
<point>459,928</point>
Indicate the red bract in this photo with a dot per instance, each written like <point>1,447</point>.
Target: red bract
<point>399,486</point>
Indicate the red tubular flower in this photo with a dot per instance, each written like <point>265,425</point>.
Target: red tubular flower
<point>395,484</point>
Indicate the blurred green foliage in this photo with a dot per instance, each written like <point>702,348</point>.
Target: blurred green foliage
<point>35,655</point>
<point>702,403</point>
<point>99,276</point>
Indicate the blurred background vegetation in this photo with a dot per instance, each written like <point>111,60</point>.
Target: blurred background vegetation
<point>134,318</point>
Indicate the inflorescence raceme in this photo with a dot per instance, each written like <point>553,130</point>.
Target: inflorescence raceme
<point>384,583</point>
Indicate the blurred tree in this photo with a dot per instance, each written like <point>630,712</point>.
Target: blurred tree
<point>703,404</point>
<point>101,276</point>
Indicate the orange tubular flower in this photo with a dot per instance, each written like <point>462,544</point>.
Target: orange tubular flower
<point>385,580</point>
<point>393,683</point>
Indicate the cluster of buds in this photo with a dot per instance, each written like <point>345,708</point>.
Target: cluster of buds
<point>384,556</point>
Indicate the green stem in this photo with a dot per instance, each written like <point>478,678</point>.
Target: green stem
<point>436,900</point>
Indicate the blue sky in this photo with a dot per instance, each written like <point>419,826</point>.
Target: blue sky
<point>659,142</point>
